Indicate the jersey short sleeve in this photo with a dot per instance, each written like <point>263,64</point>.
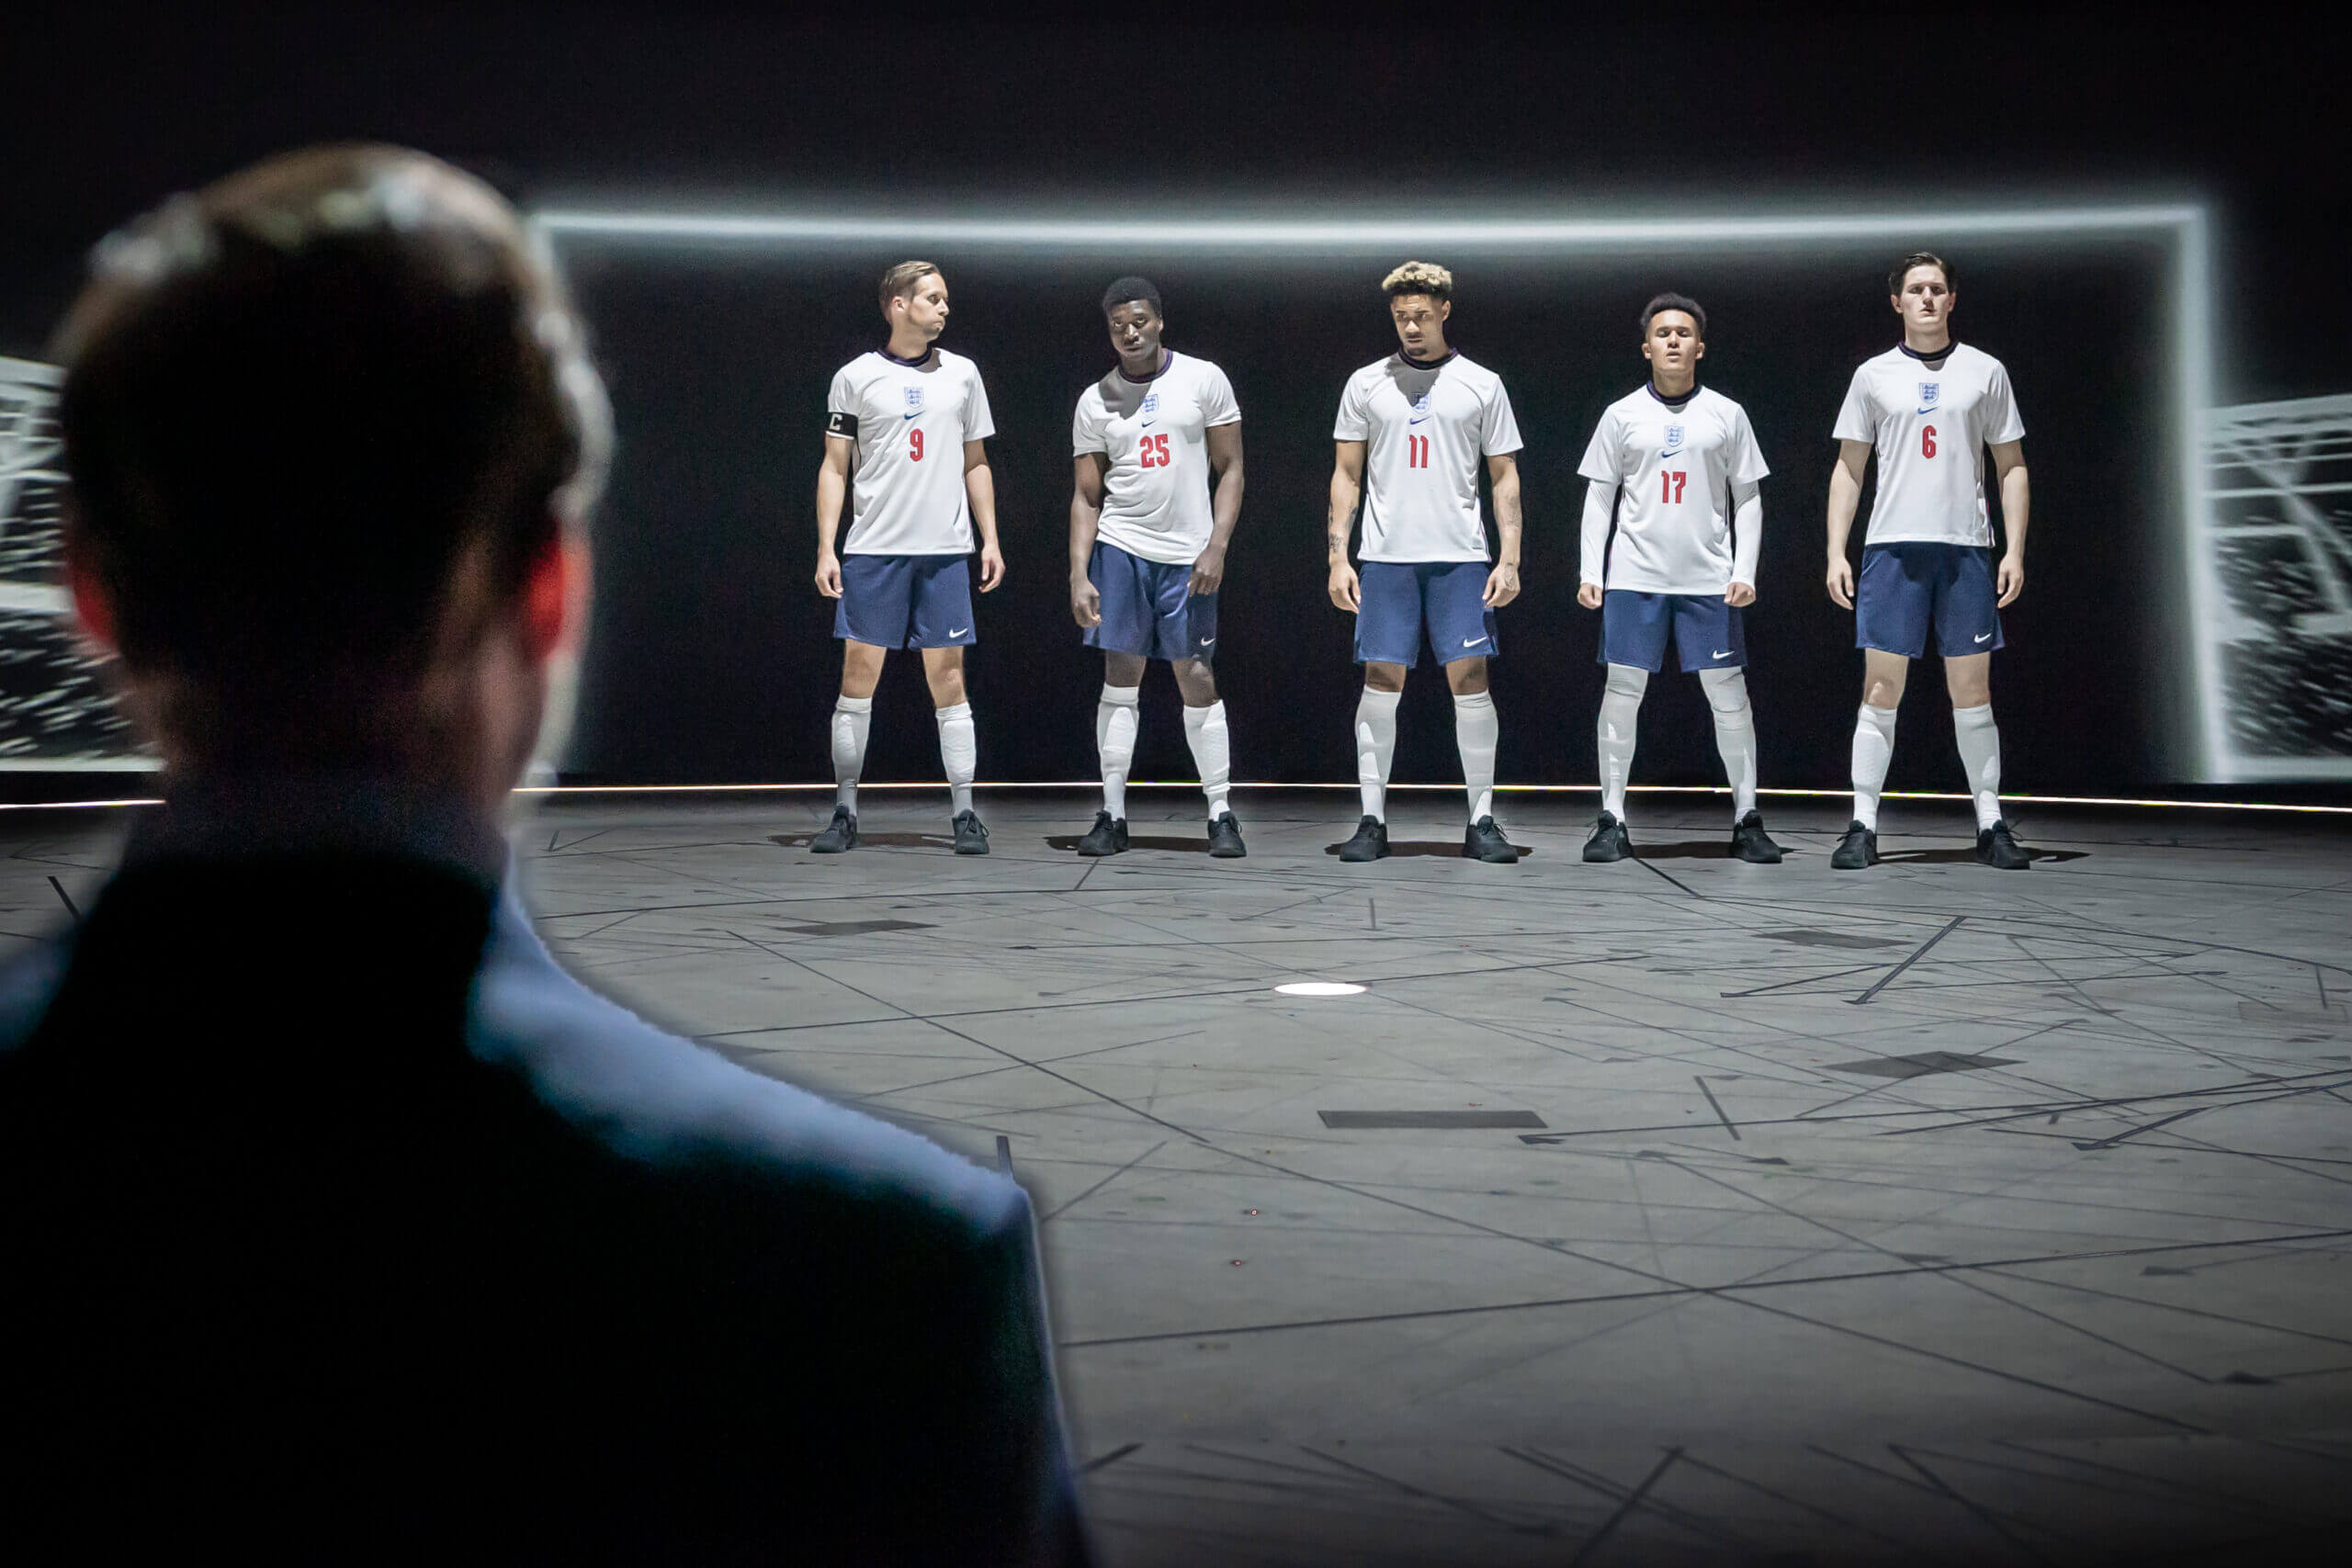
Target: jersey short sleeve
<point>1217,405</point>
<point>1602,463</point>
<point>1857,421</point>
<point>1355,422</point>
<point>841,406</point>
<point>1089,427</point>
<point>1745,462</point>
<point>2000,408</point>
<point>978,424</point>
<point>1498,433</point>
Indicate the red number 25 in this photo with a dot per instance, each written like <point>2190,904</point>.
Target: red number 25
<point>1154,451</point>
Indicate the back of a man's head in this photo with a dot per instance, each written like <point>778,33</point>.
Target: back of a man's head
<point>306,409</point>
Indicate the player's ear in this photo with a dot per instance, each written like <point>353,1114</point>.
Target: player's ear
<point>93,603</point>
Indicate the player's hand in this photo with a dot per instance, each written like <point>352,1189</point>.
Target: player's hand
<point>992,567</point>
<point>1740,594</point>
<point>1208,571</point>
<point>1841,583</point>
<point>1345,591</point>
<point>1502,587</point>
<point>2011,580</point>
<point>1588,595</point>
<point>1085,601</point>
<point>828,574</point>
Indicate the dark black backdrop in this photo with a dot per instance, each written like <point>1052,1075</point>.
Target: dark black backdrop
<point>713,654</point>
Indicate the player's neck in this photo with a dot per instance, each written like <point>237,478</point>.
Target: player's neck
<point>1673,389</point>
<point>1434,352</point>
<point>1928,344</point>
<point>1145,368</point>
<point>908,345</point>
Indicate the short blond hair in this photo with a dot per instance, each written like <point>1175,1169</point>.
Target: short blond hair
<point>900,282</point>
<point>1418,278</point>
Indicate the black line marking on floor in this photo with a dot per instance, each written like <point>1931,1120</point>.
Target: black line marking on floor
<point>1718,1107</point>
<point>1004,1154</point>
<point>1677,881</point>
<point>1377,1119</point>
<point>1372,906</point>
<point>1409,1490</point>
<point>2135,1132</point>
<point>1633,1500</point>
<point>1114,1456</point>
<point>1921,952</point>
<point>67,899</point>
<point>1074,1202</point>
<point>1801,980</point>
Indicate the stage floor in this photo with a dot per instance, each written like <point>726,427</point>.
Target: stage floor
<point>1679,1209</point>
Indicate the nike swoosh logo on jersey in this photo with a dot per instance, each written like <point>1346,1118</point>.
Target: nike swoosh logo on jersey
<point>1146,425</point>
<point>917,414</point>
<point>1422,420</point>
<point>1986,638</point>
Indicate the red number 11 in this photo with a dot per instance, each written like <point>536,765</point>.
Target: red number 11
<point>1417,451</point>
<point>1671,483</point>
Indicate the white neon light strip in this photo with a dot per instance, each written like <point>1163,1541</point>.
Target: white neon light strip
<point>2185,225</point>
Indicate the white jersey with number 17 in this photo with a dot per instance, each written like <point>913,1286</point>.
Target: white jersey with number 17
<point>1677,465</point>
<point>1930,427</point>
<point>1424,428</point>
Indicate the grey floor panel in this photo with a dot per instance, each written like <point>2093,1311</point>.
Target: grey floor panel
<point>1672,1210</point>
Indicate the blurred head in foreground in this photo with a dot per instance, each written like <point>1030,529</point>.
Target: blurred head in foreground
<point>332,431</point>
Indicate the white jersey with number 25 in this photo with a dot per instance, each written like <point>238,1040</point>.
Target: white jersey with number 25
<point>1930,428</point>
<point>1424,428</point>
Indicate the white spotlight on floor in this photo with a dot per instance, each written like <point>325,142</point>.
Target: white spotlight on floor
<point>1319,988</point>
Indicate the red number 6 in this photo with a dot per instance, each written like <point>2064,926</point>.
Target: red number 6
<point>1928,442</point>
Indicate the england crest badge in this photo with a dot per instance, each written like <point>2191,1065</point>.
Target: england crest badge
<point>914,396</point>
<point>1673,438</point>
<point>1151,402</point>
<point>1927,390</point>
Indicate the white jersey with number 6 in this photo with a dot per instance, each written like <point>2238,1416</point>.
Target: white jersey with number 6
<point>1930,428</point>
<point>1424,428</point>
<point>1155,434</point>
<point>1675,464</point>
<point>910,422</point>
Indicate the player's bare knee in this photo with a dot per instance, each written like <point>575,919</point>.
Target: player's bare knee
<point>1123,669</point>
<point>1969,688</point>
<point>1466,677</point>
<point>1380,677</point>
<point>1195,682</point>
<point>944,668</point>
<point>861,669</point>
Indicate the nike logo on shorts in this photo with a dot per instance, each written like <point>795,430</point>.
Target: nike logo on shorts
<point>1720,653</point>
<point>1208,642</point>
<point>958,631</point>
<point>1473,642</point>
<point>1986,638</point>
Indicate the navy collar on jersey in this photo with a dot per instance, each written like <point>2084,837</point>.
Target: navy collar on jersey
<point>1677,404</point>
<point>1167,358</point>
<point>923,358</point>
<point>1930,359</point>
<point>1427,364</point>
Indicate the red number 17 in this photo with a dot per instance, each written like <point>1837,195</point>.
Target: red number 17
<point>1670,483</point>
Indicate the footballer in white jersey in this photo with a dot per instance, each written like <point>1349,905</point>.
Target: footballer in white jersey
<point>1675,467</point>
<point>1930,407</point>
<point>1412,432</point>
<point>910,422</point>
<point>1148,538</point>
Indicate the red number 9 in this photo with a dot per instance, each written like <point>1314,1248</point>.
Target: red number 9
<point>1928,442</point>
<point>914,445</point>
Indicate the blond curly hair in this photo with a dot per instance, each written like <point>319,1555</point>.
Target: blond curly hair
<point>1418,278</point>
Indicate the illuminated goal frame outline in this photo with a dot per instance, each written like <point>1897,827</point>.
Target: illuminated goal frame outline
<point>2186,228</point>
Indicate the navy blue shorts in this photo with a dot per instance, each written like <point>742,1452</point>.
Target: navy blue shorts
<point>1398,598</point>
<point>1149,607</point>
<point>1906,586</point>
<point>905,600</point>
<point>1708,633</point>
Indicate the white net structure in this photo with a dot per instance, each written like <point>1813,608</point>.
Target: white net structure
<point>2279,488</point>
<point>57,711</point>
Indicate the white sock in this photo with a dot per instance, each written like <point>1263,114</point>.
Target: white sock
<point>1375,747</point>
<point>1116,718</point>
<point>959,753</point>
<point>1212,753</point>
<point>1980,754</point>
<point>1734,735</point>
<point>1873,745</point>
<point>1476,727</point>
<point>1620,705</point>
<point>853,718</point>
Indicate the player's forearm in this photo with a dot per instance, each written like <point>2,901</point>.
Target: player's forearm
<point>1747,531</point>
<point>1225,507</point>
<point>2016,504</point>
<point>831,489</point>
<point>1592,542</point>
<point>1085,523</point>
<point>1845,497</point>
<point>980,487</point>
<point>1507,521</point>
<point>1343,521</point>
